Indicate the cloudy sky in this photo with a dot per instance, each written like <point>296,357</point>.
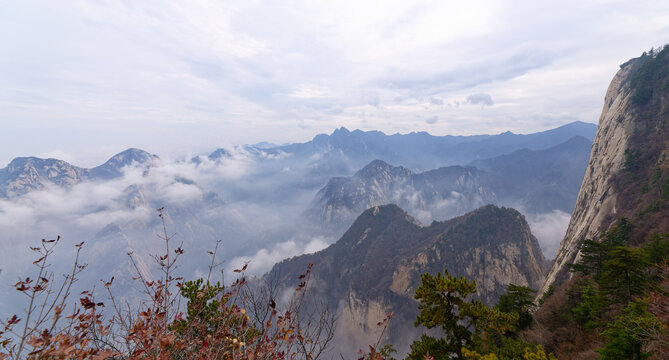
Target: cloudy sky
<point>83,80</point>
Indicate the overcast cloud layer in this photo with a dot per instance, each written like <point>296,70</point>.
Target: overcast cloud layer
<point>82,79</point>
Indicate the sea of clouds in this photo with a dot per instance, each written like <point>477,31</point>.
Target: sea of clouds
<point>253,203</point>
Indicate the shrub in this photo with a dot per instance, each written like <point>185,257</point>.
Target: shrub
<point>215,324</point>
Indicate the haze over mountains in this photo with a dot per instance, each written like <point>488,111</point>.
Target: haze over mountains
<point>26,174</point>
<point>334,180</point>
<point>538,181</point>
<point>375,267</point>
<point>261,201</point>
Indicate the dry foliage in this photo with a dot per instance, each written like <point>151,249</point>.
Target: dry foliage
<point>236,322</point>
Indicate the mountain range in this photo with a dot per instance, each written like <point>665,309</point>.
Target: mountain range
<point>420,151</point>
<point>536,181</point>
<point>273,204</point>
<point>255,199</point>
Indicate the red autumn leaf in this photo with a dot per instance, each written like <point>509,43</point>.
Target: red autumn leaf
<point>13,320</point>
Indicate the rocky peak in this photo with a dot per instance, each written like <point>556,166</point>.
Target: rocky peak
<point>373,222</point>
<point>376,265</point>
<point>379,183</point>
<point>342,131</point>
<point>380,170</point>
<point>112,168</point>
<point>21,163</point>
<point>219,153</point>
<point>25,163</point>
<point>25,174</point>
<point>128,157</point>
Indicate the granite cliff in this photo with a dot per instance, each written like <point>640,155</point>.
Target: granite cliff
<point>628,172</point>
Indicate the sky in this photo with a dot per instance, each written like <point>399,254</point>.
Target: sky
<point>83,80</point>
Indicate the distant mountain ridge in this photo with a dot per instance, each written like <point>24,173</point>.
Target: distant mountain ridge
<point>422,151</point>
<point>378,183</point>
<point>339,154</point>
<point>536,181</point>
<point>25,174</point>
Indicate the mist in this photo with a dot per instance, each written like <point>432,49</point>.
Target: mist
<point>240,200</point>
<point>260,205</point>
<point>549,229</point>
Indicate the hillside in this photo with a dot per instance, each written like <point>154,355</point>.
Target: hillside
<point>376,265</point>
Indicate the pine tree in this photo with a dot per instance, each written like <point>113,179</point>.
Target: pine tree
<point>593,255</point>
<point>519,300</point>
<point>630,331</point>
<point>443,303</point>
<point>625,273</point>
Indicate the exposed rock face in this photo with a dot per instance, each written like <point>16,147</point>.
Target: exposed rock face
<point>26,174</point>
<point>596,200</point>
<point>628,162</point>
<point>375,267</point>
<point>112,168</point>
<point>23,175</point>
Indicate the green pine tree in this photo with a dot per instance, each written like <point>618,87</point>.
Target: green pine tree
<point>625,273</point>
<point>444,303</point>
<point>630,331</point>
<point>519,300</point>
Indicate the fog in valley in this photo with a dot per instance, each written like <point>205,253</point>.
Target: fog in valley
<point>261,204</point>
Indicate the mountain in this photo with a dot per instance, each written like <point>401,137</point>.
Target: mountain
<point>25,174</point>
<point>422,151</point>
<point>311,164</point>
<point>266,190</point>
<point>538,181</point>
<point>628,172</point>
<point>441,193</point>
<point>622,208</point>
<point>376,265</point>
<point>112,168</point>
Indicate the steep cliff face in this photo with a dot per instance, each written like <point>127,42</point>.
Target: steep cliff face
<point>627,175</point>
<point>375,267</point>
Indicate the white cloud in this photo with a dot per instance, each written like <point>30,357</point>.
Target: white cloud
<point>549,229</point>
<point>172,75</point>
<point>263,260</point>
